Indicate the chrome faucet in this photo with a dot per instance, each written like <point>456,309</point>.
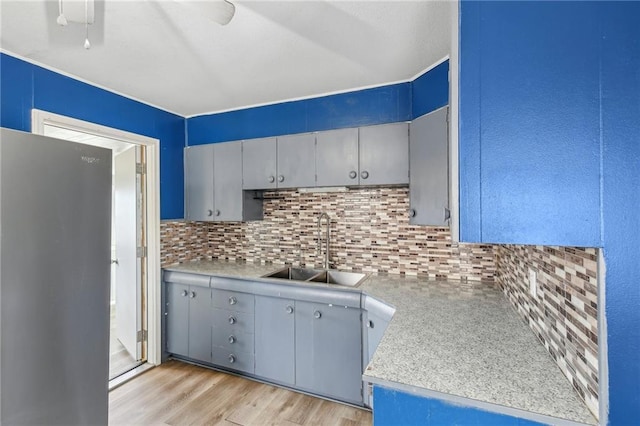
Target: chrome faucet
<point>324,215</point>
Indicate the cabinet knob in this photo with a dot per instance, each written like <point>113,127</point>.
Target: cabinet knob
<point>364,174</point>
<point>289,309</point>
<point>280,178</point>
<point>209,212</point>
<point>232,339</point>
<point>353,174</point>
<point>217,212</point>
<point>184,293</point>
<point>232,319</point>
<point>317,314</point>
<point>232,359</point>
<point>232,300</point>
<point>272,179</point>
<point>412,213</point>
<point>370,324</point>
<point>192,295</point>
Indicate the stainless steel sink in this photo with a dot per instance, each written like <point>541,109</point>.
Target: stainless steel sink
<point>326,276</point>
<point>351,279</point>
<point>295,274</point>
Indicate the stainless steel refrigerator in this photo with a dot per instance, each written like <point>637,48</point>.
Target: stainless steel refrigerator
<point>55,220</point>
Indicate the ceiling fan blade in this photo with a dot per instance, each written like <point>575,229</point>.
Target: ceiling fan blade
<point>220,11</point>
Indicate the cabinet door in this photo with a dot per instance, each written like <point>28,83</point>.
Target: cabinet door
<point>275,339</point>
<point>337,157</point>
<point>384,154</point>
<point>227,181</point>
<point>296,161</point>
<point>259,163</point>
<point>329,351</point>
<point>375,326</point>
<point>429,169</point>
<point>198,182</point>
<point>177,319</point>
<point>200,323</point>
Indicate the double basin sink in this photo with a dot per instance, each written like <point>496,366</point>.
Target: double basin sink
<point>325,276</point>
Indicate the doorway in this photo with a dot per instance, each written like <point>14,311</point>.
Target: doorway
<point>134,198</point>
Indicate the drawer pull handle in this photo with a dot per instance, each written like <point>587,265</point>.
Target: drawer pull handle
<point>232,339</point>
<point>232,300</point>
<point>232,319</point>
<point>232,359</point>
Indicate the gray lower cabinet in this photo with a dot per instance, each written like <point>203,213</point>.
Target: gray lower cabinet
<point>329,350</point>
<point>188,321</point>
<point>337,157</point>
<point>429,169</point>
<point>275,339</point>
<point>213,184</point>
<point>384,154</point>
<point>232,332</point>
<point>259,168</point>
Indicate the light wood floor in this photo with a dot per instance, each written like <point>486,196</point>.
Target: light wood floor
<point>176,393</point>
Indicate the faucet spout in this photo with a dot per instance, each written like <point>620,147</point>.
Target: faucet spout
<point>324,215</point>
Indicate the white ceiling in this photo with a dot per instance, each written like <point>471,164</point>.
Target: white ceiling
<point>164,54</point>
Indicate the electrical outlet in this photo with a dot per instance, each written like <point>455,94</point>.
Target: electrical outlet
<point>533,283</point>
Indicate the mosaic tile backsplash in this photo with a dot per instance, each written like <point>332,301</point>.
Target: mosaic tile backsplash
<point>370,232</point>
<point>564,315</point>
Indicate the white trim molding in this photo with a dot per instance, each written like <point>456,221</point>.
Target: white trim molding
<point>41,118</point>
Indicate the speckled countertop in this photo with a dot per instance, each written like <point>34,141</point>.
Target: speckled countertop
<point>456,338</point>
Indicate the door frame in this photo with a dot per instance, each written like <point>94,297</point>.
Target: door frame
<point>39,119</point>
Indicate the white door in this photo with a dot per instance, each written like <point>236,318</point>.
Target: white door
<point>128,266</point>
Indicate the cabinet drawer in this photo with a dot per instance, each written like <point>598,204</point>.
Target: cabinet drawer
<point>223,338</point>
<point>232,321</point>
<point>233,300</point>
<point>241,361</point>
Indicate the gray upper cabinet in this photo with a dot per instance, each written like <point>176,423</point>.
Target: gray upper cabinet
<point>227,181</point>
<point>213,184</point>
<point>275,339</point>
<point>429,169</point>
<point>296,161</point>
<point>384,154</point>
<point>198,179</point>
<point>337,157</point>
<point>329,350</point>
<point>259,164</point>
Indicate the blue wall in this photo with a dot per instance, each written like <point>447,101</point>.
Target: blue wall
<point>394,408</point>
<point>529,101</point>
<point>430,91</point>
<point>25,86</point>
<point>550,147</point>
<point>380,105</point>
